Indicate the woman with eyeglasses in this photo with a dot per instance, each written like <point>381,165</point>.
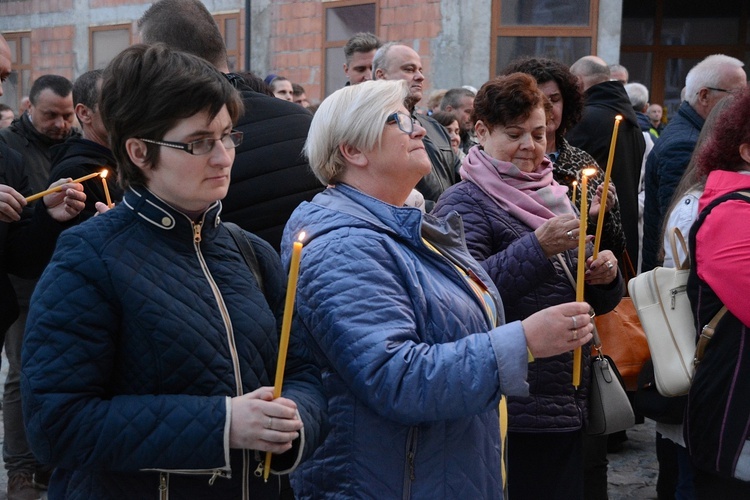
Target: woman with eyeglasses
<point>151,346</point>
<point>407,328</point>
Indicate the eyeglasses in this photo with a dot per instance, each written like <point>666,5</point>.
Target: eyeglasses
<point>201,146</point>
<point>405,122</point>
<point>721,90</point>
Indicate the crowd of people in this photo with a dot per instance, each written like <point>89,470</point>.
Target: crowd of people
<point>432,344</point>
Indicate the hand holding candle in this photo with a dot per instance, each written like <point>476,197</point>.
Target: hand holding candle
<point>575,188</point>
<point>286,328</point>
<point>56,189</point>
<point>607,175</point>
<point>581,269</point>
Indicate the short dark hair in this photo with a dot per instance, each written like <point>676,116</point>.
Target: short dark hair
<point>361,42</point>
<point>547,70</point>
<point>444,118</point>
<point>147,90</point>
<point>256,83</point>
<point>453,97</point>
<point>297,89</point>
<point>60,85</point>
<point>184,25</point>
<point>85,88</point>
<point>508,99</point>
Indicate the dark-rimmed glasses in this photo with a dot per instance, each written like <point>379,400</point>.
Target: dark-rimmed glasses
<point>201,146</point>
<point>720,90</point>
<point>405,122</point>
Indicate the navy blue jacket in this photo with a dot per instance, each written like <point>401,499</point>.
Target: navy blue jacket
<point>664,168</point>
<point>528,282</point>
<point>141,329</point>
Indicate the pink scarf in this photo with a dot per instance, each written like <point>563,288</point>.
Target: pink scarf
<point>531,197</point>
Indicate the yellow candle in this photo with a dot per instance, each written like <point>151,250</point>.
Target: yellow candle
<point>59,188</point>
<point>106,188</point>
<point>605,186</point>
<point>575,188</point>
<point>286,328</point>
<point>581,269</point>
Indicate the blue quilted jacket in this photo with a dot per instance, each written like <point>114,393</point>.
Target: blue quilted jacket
<point>528,282</point>
<point>411,364</point>
<point>141,329</point>
<point>664,168</point>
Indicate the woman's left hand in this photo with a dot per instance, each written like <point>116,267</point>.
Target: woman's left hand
<point>602,270</point>
<point>596,203</point>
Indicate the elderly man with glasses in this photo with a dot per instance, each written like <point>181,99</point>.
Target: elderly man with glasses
<point>707,83</point>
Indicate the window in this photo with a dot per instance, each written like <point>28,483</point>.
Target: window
<point>559,29</point>
<point>105,42</point>
<point>229,26</point>
<point>663,40</point>
<point>342,20</point>
<point>19,82</point>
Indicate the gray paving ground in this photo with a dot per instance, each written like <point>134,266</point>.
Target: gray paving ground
<point>632,471</point>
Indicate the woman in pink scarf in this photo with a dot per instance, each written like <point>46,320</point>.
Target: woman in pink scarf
<point>521,226</point>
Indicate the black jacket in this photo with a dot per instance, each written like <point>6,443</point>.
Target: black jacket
<point>77,157</point>
<point>34,148</point>
<point>25,246</point>
<point>593,134</point>
<point>270,177</point>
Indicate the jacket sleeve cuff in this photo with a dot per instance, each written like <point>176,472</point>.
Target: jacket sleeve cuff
<point>227,427</point>
<point>288,461</point>
<point>512,356</point>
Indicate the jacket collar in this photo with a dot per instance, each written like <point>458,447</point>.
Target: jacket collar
<point>691,115</point>
<point>156,212</point>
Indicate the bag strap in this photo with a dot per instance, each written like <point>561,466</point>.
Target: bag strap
<point>707,332</point>
<point>674,237</point>
<point>595,333</point>
<point>247,250</point>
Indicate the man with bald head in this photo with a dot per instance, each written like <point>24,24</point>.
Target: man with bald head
<point>707,83</point>
<point>399,62</point>
<point>605,99</point>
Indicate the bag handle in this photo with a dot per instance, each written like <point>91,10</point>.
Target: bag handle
<point>674,236</point>
<point>597,341</point>
<point>707,334</point>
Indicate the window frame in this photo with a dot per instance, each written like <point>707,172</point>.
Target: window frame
<point>237,53</point>
<point>18,66</point>
<point>497,30</point>
<point>341,43</point>
<point>107,27</point>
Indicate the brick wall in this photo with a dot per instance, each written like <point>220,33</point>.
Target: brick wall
<point>52,52</point>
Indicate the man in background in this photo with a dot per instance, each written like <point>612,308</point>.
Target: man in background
<point>270,176</point>
<point>394,61</point>
<point>460,103</point>
<point>707,83</point>
<point>359,52</point>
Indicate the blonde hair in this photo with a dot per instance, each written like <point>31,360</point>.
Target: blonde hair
<point>354,116</point>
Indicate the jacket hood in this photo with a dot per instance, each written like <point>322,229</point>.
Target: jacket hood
<point>612,95</point>
<point>643,121</point>
<point>721,182</point>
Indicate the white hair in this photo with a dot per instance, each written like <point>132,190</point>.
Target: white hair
<point>708,73</point>
<point>638,94</point>
<point>354,116</point>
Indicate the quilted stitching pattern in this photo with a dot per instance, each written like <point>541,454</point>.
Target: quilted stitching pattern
<point>394,328</point>
<point>126,362</point>
<point>528,282</point>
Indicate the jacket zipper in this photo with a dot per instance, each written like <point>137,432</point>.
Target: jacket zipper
<point>197,226</point>
<point>163,486</point>
<point>409,467</point>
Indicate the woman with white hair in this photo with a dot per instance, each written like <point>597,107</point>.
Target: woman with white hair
<point>406,327</point>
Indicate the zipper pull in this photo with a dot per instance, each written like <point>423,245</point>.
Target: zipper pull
<point>217,473</point>
<point>476,279</point>
<point>259,470</point>
<point>163,486</point>
<point>197,231</point>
